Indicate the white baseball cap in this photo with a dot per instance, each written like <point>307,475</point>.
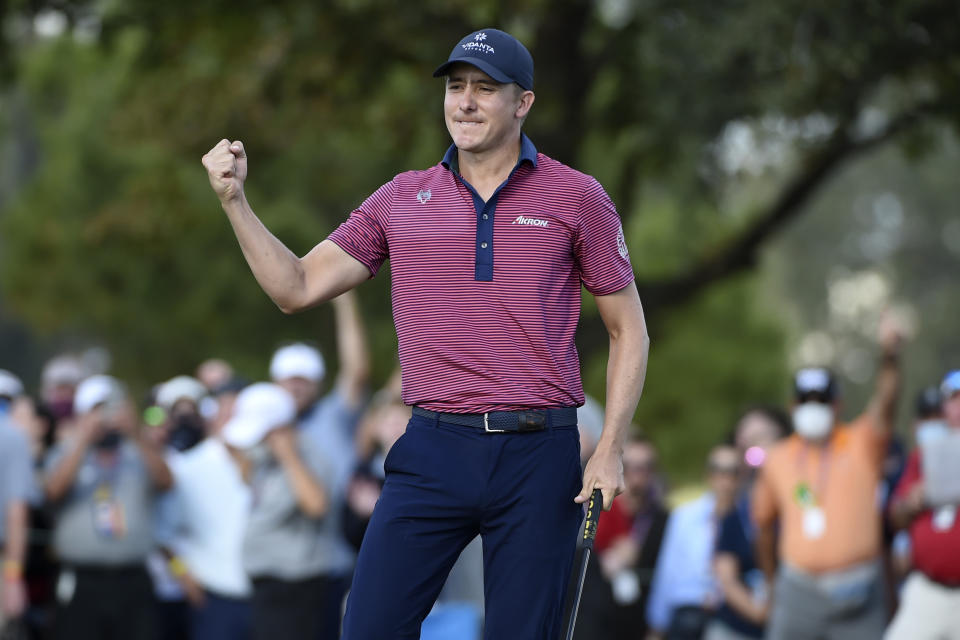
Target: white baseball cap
<point>63,369</point>
<point>258,410</point>
<point>95,391</point>
<point>180,388</point>
<point>10,385</point>
<point>297,361</point>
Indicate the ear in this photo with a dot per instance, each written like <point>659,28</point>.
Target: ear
<point>526,102</point>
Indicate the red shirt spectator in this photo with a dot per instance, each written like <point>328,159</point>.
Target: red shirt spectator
<point>934,547</point>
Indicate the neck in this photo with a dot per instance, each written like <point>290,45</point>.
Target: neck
<point>490,165</point>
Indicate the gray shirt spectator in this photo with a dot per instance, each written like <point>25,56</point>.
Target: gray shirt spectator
<point>282,541</point>
<point>106,518</point>
<point>16,474</point>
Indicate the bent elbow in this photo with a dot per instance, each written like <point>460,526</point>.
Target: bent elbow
<point>289,305</point>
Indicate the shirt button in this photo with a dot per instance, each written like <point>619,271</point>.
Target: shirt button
<point>485,216</point>
<point>483,245</point>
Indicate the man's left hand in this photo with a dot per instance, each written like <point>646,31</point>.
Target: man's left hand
<point>605,472</point>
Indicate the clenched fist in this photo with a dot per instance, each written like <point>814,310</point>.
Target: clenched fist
<point>226,166</point>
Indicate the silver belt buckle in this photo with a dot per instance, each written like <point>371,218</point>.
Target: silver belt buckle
<point>486,425</point>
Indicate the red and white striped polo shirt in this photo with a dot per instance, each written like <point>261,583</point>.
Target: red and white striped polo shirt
<point>473,340</point>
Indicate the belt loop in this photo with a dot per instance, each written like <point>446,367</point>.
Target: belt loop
<point>436,419</point>
<point>549,420</point>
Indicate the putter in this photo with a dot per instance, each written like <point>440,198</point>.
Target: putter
<point>594,507</point>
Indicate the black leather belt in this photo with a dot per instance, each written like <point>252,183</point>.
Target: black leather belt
<point>507,421</point>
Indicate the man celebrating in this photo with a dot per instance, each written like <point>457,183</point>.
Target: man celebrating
<point>821,486</point>
<point>488,250</point>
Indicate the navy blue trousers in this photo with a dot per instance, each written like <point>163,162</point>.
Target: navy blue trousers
<point>221,619</point>
<point>444,485</point>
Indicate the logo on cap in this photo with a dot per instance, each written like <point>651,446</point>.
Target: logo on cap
<point>478,44</point>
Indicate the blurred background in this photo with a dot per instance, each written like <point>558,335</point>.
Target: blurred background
<point>785,171</point>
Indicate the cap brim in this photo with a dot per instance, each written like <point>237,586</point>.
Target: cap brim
<point>483,65</point>
<point>243,433</point>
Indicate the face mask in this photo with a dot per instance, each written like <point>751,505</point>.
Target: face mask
<point>110,441</point>
<point>186,433</point>
<point>61,409</point>
<point>929,431</point>
<point>813,420</point>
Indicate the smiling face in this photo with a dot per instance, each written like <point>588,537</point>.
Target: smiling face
<point>481,113</point>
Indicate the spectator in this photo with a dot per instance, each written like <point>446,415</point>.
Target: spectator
<point>684,593</point>
<point>930,600</point>
<point>59,381</point>
<point>617,583</point>
<point>16,483</point>
<point>743,612</point>
<point>215,374</point>
<point>204,540</point>
<point>291,529</point>
<point>821,485</point>
<point>179,402</point>
<point>330,423</point>
<point>101,480</point>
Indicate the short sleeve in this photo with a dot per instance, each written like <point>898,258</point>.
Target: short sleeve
<point>600,248</point>
<point>363,235</point>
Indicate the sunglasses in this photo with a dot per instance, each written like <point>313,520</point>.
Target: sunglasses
<point>724,469</point>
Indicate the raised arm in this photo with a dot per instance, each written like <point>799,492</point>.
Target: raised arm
<point>883,405</point>
<point>622,315</point>
<point>293,283</point>
<point>352,348</point>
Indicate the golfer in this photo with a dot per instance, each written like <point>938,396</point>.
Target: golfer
<point>488,250</point>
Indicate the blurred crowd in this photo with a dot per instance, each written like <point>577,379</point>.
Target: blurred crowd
<point>224,508</point>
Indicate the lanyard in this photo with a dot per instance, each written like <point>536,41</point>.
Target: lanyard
<point>804,494</point>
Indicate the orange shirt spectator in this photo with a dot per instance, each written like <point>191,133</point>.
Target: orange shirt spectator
<point>838,482</point>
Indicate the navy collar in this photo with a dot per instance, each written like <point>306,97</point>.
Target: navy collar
<point>528,153</point>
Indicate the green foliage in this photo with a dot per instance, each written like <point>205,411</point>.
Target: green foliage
<point>117,236</point>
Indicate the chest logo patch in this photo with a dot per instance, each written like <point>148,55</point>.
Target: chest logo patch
<point>423,195</point>
<point>530,222</point>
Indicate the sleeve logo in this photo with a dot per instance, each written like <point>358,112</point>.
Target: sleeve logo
<point>621,243</point>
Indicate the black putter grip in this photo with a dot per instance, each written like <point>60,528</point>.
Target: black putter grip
<point>594,507</point>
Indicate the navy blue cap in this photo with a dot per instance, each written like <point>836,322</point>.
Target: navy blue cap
<point>815,383</point>
<point>929,403</point>
<point>497,54</point>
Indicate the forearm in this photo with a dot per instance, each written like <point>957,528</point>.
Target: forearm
<point>887,391</point>
<point>735,593</point>
<point>626,371</point>
<point>351,346</point>
<point>157,469</point>
<point>309,494</point>
<point>277,269</point>
<point>15,544</point>
<point>63,475</point>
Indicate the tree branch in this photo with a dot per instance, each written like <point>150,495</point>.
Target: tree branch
<point>742,252</point>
